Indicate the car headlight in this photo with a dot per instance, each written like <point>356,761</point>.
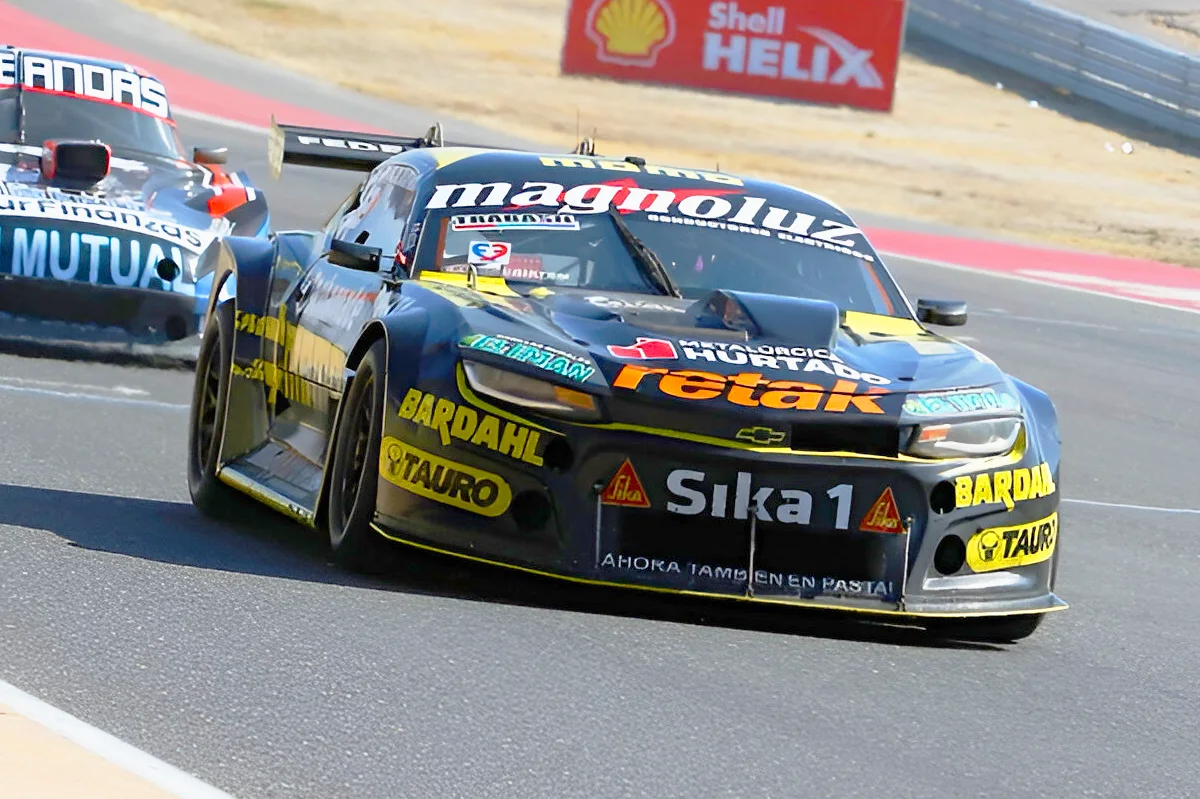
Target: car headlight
<point>978,438</point>
<point>530,392</point>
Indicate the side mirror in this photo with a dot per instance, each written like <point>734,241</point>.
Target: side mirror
<point>950,313</point>
<point>210,155</point>
<point>354,256</point>
<point>75,163</point>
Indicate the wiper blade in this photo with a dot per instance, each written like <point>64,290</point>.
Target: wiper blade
<point>647,260</point>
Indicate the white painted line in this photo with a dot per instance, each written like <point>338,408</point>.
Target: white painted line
<point>1124,506</point>
<point>1034,281</point>
<point>77,395</point>
<point>211,119</point>
<point>114,750</point>
<point>125,390</point>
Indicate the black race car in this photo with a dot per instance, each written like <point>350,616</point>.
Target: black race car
<point>95,193</point>
<point>621,373</point>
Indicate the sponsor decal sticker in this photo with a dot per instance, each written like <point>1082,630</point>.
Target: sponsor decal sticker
<point>724,209</point>
<point>645,349</point>
<point>625,489</point>
<point>489,253</point>
<point>945,403</point>
<point>1009,547</point>
<point>615,304</point>
<point>542,356</point>
<point>770,356</point>
<point>88,212</point>
<point>883,516</point>
<point>692,494</point>
<point>751,390</point>
<point>302,353</point>
<point>70,255</point>
<point>529,267</point>
<point>1007,486</point>
<point>761,435</point>
<point>486,222</point>
<point>454,421</point>
<point>629,166</point>
<point>87,81</point>
<point>802,584</point>
<point>442,480</point>
<point>352,144</point>
<point>293,388</point>
<point>706,207</point>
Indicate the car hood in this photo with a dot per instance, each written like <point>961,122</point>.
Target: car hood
<point>727,333</point>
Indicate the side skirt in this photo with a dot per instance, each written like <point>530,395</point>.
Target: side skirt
<point>232,475</point>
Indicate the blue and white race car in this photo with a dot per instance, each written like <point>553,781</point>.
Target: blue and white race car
<point>95,193</point>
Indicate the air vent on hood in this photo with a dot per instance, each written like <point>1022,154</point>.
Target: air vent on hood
<point>808,322</point>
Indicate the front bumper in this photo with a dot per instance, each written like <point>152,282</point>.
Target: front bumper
<point>734,522</point>
<point>74,319</point>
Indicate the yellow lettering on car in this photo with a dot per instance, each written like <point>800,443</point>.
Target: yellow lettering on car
<point>650,169</point>
<point>1010,547</point>
<point>454,421</point>
<point>304,354</point>
<point>1007,487</point>
<point>441,480</point>
<point>277,380</point>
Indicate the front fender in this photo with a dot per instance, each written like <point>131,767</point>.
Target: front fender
<point>1042,422</point>
<point>407,335</point>
<point>248,261</point>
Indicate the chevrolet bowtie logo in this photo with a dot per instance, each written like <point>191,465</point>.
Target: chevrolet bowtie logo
<point>760,435</point>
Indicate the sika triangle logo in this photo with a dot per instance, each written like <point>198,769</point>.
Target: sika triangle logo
<point>625,489</point>
<point>884,516</point>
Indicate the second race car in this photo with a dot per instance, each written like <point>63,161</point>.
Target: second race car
<point>95,192</point>
<point>622,373</point>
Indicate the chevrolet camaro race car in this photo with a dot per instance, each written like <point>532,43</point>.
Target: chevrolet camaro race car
<point>621,373</point>
<point>95,193</point>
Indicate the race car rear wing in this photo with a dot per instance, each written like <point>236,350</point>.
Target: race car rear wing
<point>359,152</point>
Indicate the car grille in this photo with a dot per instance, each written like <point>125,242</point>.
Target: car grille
<point>782,548</point>
<point>864,439</point>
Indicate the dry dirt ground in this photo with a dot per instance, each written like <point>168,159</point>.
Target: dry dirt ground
<point>956,149</point>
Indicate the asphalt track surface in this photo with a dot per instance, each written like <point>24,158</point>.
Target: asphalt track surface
<point>241,655</point>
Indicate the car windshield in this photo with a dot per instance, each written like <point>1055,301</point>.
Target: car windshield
<point>532,250</point>
<point>30,117</point>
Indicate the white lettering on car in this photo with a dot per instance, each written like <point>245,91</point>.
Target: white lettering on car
<point>90,81</point>
<point>734,212</point>
<point>98,259</point>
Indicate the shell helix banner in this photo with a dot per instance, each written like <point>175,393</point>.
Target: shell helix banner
<point>843,53</point>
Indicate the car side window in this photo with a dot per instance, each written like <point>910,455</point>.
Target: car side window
<point>335,227</point>
<point>383,214</point>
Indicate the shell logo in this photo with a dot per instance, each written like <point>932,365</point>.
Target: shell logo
<point>631,32</point>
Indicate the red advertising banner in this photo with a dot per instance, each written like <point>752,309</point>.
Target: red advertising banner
<point>842,52</point>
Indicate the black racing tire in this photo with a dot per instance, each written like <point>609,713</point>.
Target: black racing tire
<point>354,469</point>
<point>988,629</point>
<point>206,424</point>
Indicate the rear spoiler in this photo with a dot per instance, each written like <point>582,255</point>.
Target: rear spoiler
<point>358,152</point>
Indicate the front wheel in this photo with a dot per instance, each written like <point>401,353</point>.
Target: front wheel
<point>988,629</point>
<point>206,428</point>
<point>354,471</point>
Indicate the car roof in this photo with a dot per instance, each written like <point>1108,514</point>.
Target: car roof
<point>78,59</point>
